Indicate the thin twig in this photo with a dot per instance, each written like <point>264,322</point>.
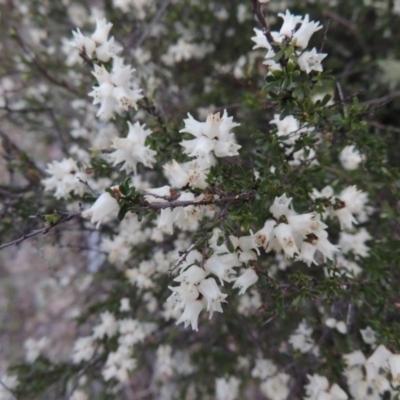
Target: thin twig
<point>146,104</point>
<point>378,125</point>
<point>63,218</point>
<point>325,37</point>
<point>379,100</point>
<point>258,12</point>
<point>161,10</point>
<point>88,186</point>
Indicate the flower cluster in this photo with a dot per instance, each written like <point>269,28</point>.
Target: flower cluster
<point>132,150</point>
<point>66,178</point>
<point>300,236</point>
<point>105,48</point>
<point>297,31</point>
<point>115,91</point>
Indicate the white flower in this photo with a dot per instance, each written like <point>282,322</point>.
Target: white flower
<point>115,90</point>
<point>104,207</point>
<point>222,266</point>
<point>193,275</point>
<point>341,327</point>
<point>394,364</point>
<point>337,392</point>
<point>307,251</point>
<point>311,61</point>
<point>102,30</point>
<point>118,364</point>
<point>124,305</point>
<point>108,50</point>
<point>191,314</point>
<point>192,173</point>
<point>306,30</point>
<point>305,223</point>
<point>351,202</point>
<point>276,387</point>
<point>263,369</point>
<point>227,388</point>
<point>354,358</point>
<point>379,356</point>
<point>65,179</point>
<point>108,326</point>
<point>182,294</point>
<point>105,49</point>
<point>290,23</point>
<point>212,137</point>
<point>34,348</point>
<point>368,335</point>
<point>317,385</point>
<point>211,292</point>
<point>263,236</point>
<point>244,281</point>
<point>83,350</point>
<point>83,43</point>
<point>78,395</point>
<point>164,362</point>
<point>8,382</point>
<point>261,41</point>
<point>350,158</point>
<point>132,150</point>
<point>355,242</point>
<point>284,234</point>
<point>281,206</point>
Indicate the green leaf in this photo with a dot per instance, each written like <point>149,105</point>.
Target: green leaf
<point>123,211</point>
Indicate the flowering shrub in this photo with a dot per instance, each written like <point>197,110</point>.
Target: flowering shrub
<point>247,250</point>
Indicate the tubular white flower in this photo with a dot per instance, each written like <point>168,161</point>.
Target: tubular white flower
<point>211,136</point>
<point>193,275</point>
<point>244,281</point>
<point>103,208</point>
<point>311,61</point>
<point>284,233</point>
<point>222,266</point>
<point>108,50</point>
<point>281,206</point>
<point>263,236</point>
<point>307,253</point>
<point>132,150</point>
<point>102,30</point>
<point>82,42</point>
<point>350,158</point>
<point>191,314</point>
<point>394,364</point>
<point>261,41</point>
<point>305,223</point>
<point>114,89</point>
<point>227,389</point>
<point>355,242</point>
<point>183,294</point>
<point>290,22</point>
<point>354,358</point>
<point>176,175</point>
<point>306,30</point>
<point>368,335</point>
<point>379,356</point>
<point>337,392</point>
<point>64,178</point>
<point>341,327</point>
<point>324,246</point>
<point>211,292</point>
